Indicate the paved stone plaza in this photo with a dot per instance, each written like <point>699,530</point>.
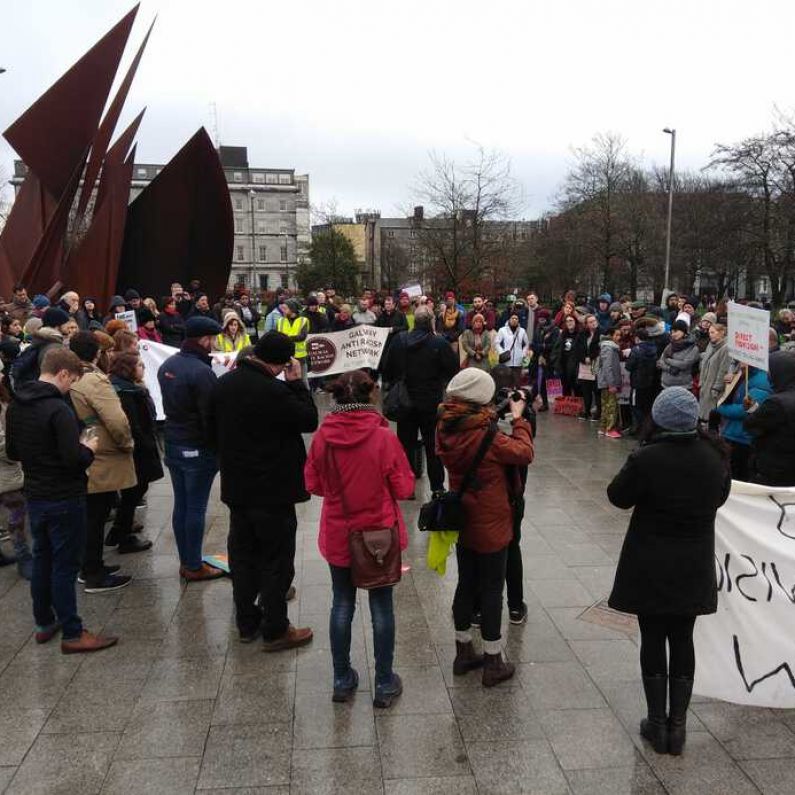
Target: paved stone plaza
<point>180,705</point>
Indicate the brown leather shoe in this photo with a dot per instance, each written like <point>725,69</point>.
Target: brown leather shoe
<point>204,573</point>
<point>87,642</point>
<point>292,639</point>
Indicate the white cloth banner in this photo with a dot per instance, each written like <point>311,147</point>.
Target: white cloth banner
<point>341,351</point>
<point>745,653</point>
<point>749,335</point>
<point>155,353</point>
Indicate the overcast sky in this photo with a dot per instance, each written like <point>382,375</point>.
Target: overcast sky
<point>357,94</point>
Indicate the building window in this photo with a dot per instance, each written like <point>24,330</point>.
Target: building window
<point>240,254</point>
<point>272,179</point>
<point>284,179</point>
<point>238,226</point>
<point>283,228</point>
<point>261,204</point>
<point>258,178</point>
<point>263,254</point>
<point>142,173</point>
<point>263,281</point>
<point>238,202</point>
<point>261,228</point>
<point>390,233</point>
<point>237,176</point>
<point>283,252</point>
<point>241,278</point>
<point>283,277</point>
<point>303,188</point>
<point>283,205</point>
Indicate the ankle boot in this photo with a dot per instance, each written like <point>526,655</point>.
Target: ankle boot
<point>466,659</point>
<point>654,727</point>
<point>496,670</point>
<point>681,689</point>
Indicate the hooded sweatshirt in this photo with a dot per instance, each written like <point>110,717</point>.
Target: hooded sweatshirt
<point>42,433</point>
<point>609,373</point>
<point>27,366</point>
<point>603,317</point>
<point>733,410</point>
<point>772,426</point>
<point>358,466</point>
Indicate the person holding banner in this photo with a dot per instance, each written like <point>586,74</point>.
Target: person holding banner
<point>675,483</point>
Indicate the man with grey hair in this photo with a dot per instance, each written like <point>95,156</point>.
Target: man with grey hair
<point>425,362</point>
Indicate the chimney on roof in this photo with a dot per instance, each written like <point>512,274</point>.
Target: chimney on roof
<point>419,212</point>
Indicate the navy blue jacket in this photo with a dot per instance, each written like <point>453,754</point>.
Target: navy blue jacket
<point>186,383</point>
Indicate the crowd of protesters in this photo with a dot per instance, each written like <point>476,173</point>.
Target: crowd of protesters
<point>80,445</point>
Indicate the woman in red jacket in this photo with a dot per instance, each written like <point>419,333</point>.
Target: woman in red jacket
<point>482,549</point>
<point>358,465</point>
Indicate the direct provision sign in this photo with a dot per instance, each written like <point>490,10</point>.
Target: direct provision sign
<point>749,330</point>
<point>341,351</point>
<point>129,320</point>
<point>745,653</point>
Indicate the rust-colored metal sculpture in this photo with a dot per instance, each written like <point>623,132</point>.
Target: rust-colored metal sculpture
<point>180,227</point>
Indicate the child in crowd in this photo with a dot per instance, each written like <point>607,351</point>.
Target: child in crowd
<point>608,380</point>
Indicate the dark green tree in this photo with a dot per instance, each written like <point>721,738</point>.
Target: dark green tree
<point>333,262</point>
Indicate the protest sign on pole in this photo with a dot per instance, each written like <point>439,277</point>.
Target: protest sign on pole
<point>745,653</point>
<point>129,320</point>
<point>153,354</point>
<point>412,290</point>
<point>341,351</point>
<point>749,335</point>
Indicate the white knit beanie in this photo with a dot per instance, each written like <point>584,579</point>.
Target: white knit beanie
<point>474,385</point>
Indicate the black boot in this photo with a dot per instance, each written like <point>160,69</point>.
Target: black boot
<point>496,669</point>
<point>654,728</point>
<point>681,690</point>
<point>466,659</point>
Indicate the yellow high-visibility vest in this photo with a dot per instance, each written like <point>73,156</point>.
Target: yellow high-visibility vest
<point>294,328</point>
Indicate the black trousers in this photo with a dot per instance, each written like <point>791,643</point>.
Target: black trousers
<point>97,511</point>
<point>125,512</point>
<point>678,632</point>
<point>423,422</point>
<point>591,396</point>
<point>740,461</point>
<point>484,574</point>
<point>261,547</point>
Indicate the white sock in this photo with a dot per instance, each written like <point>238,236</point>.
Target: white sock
<point>463,637</point>
<point>492,646</point>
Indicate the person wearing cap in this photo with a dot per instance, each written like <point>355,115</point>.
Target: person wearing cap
<point>318,320</point>
<point>51,333</point>
<point>257,423</point>
<point>465,417</point>
<point>186,383</point>
<point>40,304</point>
<point>296,327</point>
<point>133,300</point>
<point>602,312</point>
<point>675,483</point>
<point>201,307</point>
<point>277,313</point>
<point>147,330</point>
<point>680,358</point>
<point>701,331</point>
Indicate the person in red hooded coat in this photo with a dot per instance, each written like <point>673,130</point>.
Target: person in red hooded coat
<point>358,465</point>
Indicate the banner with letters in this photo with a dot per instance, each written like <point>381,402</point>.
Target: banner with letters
<point>154,354</point>
<point>748,335</point>
<point>745,653</point>
<point>341,351</point>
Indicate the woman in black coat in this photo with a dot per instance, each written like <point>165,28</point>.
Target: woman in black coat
<point>171,323</point>
<point>126,375</point>
<point>675,482</point>
<point>586,353</point>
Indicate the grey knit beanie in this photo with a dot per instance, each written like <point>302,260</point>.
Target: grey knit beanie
<point>473,385</point>
<point>675,409</point>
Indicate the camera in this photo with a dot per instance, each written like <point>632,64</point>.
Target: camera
<point>502,403</point>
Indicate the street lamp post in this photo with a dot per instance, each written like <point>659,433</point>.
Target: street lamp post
<point>666,286</point>
<point>253,286</point>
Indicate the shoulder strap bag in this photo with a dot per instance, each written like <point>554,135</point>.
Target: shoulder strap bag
<point>505,356</point>
<point>446,511</point>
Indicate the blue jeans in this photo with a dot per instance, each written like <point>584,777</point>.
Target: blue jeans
<point>58,529</point>
<point>192,473</point>
<point>342,610</point>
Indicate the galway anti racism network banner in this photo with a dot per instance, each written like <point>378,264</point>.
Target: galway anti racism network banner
<point>745,653</point>
<point>341,351</point>
<point>155,353</point>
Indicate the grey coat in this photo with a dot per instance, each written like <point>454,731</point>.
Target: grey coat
<point>714,365</point>
<point>609,373</point>
<point>677,366</point>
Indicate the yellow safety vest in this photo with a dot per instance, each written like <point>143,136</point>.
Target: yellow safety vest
<point>293,329</point>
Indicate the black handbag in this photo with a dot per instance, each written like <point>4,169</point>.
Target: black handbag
<point>505,356</point>
<point>446,511</point>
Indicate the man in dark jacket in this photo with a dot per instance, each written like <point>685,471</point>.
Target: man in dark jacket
<point>28,365</point>
<point>186,383</point>
<point>258,422</point>
<point>772,426</point>
<point>201,307</point>
<point>42,433</point>
<point>393,319</point>
<point>426,362</point>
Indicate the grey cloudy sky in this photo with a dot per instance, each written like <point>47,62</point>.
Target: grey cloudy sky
<point>357,94</point>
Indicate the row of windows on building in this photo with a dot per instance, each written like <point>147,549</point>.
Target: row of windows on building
<point>265,281</point>
<point>264,205</point>
<point>242,253</point>
<point>264,178</point>
<point>263,227</point>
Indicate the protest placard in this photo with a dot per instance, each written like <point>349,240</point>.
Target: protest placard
<point>341,351</point>
<point>129,320</point>
<point>412,290</point>
<point>748,337</point>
